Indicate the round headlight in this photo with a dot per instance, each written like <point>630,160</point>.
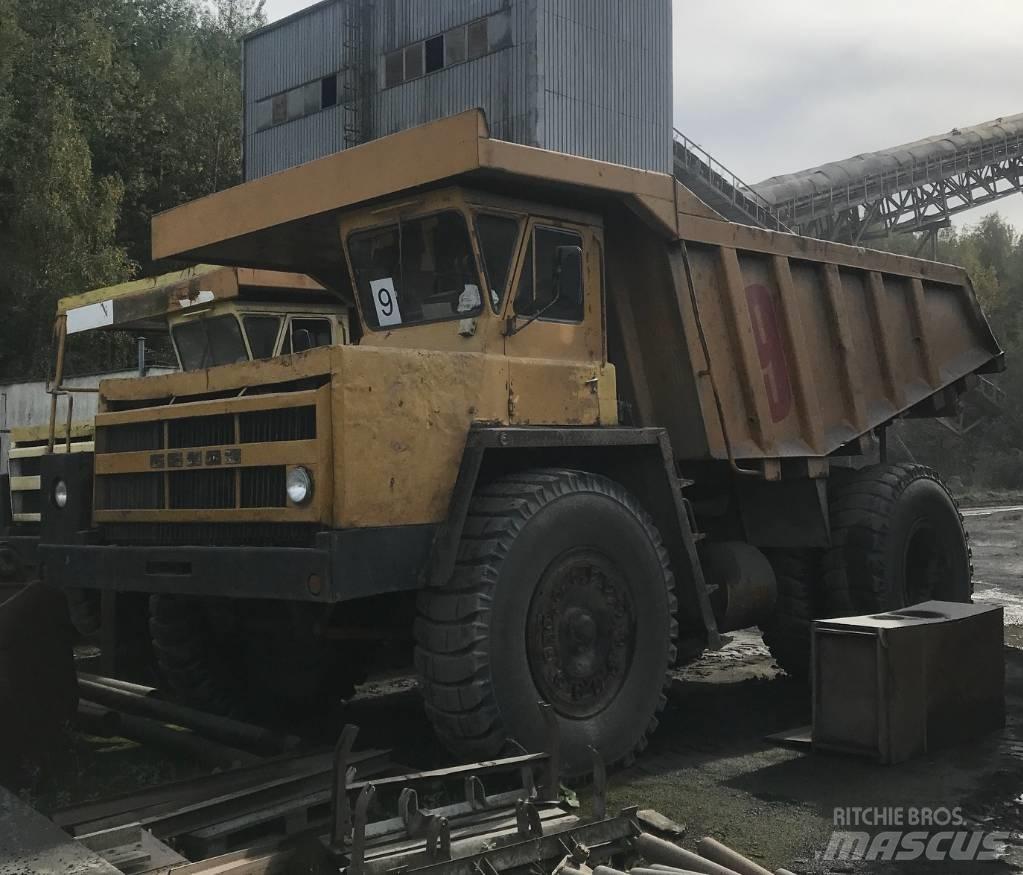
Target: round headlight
<point>299,485</point>
<point>60,493</point>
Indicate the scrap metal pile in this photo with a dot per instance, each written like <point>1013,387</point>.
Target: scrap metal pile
<point>346,812</point>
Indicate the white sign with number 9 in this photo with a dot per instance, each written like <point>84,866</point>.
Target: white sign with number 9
<point>385,300</point>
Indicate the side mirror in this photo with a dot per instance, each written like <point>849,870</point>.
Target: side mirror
<point>301,340</point>
<point>567,282</point>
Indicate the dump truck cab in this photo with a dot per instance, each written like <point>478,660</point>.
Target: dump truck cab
<point>275,312</point>
<point>580,426</point>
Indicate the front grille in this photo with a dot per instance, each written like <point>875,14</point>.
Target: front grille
<point>139,491</point>
<point>200,431</point>
<point>263,487</point>
<point>198,462</point>
<point>195,490</point>
<point>264,426</point>
<point>221,534</point>
<point>254,427</point>
<point>132,437</point>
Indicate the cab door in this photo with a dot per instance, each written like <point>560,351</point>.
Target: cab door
<point>554,339</point>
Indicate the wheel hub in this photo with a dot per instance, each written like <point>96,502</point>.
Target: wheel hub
<point>580,633</point>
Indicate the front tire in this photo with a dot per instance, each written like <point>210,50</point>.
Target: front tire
<point>250,660</point>
<point>562,592</point>
<point>897,540</point>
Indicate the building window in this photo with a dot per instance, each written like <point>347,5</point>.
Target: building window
<point>455,46</point>
<point>394,69</point>
<point>328,91</point>
<point>414,61</point>
<point>434,51</point>
<point>296,103</point>
<point>477,38</point>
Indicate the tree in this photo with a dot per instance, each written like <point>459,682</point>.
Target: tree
<point>110,111</point>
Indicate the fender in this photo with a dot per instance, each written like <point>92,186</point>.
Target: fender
<point>641,459</point>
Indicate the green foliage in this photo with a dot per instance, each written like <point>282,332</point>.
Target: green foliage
<point>991,455</point>
<point>110,111</point>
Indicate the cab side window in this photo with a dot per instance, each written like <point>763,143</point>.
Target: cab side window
<point>498,235</point>
<point>262,332</point>
<point>309,334</point>
<point>538,279</point>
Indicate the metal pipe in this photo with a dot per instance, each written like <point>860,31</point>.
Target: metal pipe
<point>658,851</point>
<point>97,720</point>
<point>60,329</point>
<point>70,411</point>
<point>222,729</point>
<point>662,870</point>
<point>183,741</point>
<point>719,853</point>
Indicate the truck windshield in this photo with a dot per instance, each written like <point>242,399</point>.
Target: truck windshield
<point>416,271</point>
<point>207,343</point>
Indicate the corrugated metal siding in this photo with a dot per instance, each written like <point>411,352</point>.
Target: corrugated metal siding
<point>405,21</point>
<point>294,143</point>
<point>605,68</point>
<point>306,48</point>
<point>592,78</point>
<point>502,83</point>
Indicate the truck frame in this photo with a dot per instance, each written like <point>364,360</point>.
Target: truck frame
<point>581,427</point>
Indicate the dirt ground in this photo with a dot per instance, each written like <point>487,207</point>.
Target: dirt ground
<point>710,766</point>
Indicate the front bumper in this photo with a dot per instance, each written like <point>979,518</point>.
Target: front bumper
<point>343,565</point>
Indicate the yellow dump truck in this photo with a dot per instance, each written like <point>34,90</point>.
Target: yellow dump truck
<point>579,426</point>
<point>272,310</point>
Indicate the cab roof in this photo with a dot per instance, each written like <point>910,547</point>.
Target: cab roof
<point>145,304</point>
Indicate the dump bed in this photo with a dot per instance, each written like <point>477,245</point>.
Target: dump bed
<point>775,346</point>
<point>743,343</point>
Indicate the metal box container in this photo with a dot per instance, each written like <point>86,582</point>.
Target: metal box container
<point>893,686</point>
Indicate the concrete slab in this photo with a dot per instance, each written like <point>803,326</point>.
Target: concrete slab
<point>30,842</point>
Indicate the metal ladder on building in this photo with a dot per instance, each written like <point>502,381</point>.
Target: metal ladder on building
<point>719,188</point>
<point>351,72</point>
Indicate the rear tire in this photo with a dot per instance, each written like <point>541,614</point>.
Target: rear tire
<point>897,540</point>
<point>788,632</point>
<point>562,592</point>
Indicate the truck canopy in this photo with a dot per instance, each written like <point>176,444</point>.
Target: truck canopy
<point>744,343</point>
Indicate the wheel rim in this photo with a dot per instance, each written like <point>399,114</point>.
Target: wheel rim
<point>580,633</point>
<point>927,565</point>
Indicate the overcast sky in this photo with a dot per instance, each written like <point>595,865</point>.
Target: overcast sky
<point>777,86</point>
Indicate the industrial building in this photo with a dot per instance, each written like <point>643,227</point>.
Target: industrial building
<point>589,78</point>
